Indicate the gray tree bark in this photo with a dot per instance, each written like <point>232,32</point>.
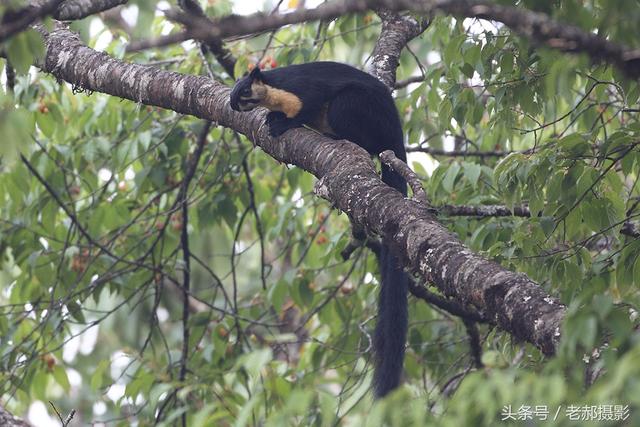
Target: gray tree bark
<point>8,420</point>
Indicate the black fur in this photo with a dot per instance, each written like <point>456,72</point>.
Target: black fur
<point>360,109</point>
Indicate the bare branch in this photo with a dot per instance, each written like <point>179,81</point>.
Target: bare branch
<point>458,153</point>
<point>388,158</point>
<point>483,211</point>
<point>214,44</point>
<point>114,20</point>
<point>71,10</point>
<point>630,229</point>
<point>202,29</point>
<point>64,421</point>
<point>406,82</point>
<point>445,304</point>
<point>538,27</point>
<point>186,253</point>
<point>8,420</point>
<point>16,21</point>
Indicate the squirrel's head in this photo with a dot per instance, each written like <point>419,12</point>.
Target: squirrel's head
<point>248,92</point>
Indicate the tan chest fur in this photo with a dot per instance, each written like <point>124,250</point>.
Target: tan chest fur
<point>281,100</point>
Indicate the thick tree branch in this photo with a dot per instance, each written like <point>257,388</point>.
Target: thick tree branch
<point>214,44</point>
<point>629,227</point>
<point>8,420</point>
<point>201,28</point>
<point>397,31</point>
<point>458,153</point>
<point>483,211</point>
<point>538,27</point>
<point>77,9</point>
<point>347,177</point>
<point>16,21</point>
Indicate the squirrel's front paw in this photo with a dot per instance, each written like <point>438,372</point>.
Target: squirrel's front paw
<point>278,123</point>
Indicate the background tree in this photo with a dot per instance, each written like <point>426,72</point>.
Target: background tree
<point>158,269</point>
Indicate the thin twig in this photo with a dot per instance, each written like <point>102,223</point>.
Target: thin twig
<point>400,167</point>
<point>65,422</point>
<point>254,209</point>
<point>447,305</point>
<point>186,254</point>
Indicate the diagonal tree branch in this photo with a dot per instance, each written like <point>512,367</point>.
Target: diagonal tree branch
<point>538,27</point>
<point>347,178</point>
<point>77,9</point>
<point>214,44</point>
<point>15,21</point>
<point>9,420</point>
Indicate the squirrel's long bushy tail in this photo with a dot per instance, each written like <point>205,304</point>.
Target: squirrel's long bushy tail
<point>391,328</point>
<point>368,116</point>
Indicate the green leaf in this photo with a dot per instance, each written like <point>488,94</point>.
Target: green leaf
<point>450,177</point>
<point>46,123</point>
<point>278,293</point>
<point>175,142</point>
<point>472,53</point>
<point>60,375</point>
<point>23,49</point>
<point>240,67</point>
<point>451,53</point>
<point>255,361</point>
<point>445,113</point>
<point>467,70</point>
<point>506,63</point>
<point>574,144</point>
<point>16,126</point>
<point>536,201</point>
<point>98,376</point>
<point>76,311</point>
<point>472,172</point>
<point>301,292</point>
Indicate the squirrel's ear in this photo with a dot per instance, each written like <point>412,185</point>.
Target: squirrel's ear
<point>255,74</point>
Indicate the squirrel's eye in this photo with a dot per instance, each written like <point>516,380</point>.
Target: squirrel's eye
<point>246,92</point>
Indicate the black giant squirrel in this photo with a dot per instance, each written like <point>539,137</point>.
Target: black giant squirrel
<point>346,103</point>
